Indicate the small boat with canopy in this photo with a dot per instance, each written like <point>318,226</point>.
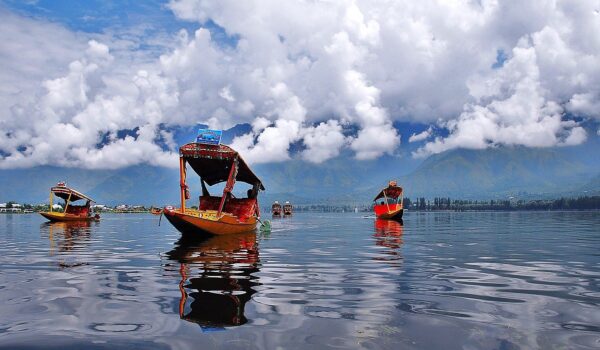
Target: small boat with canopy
<point>388,204</point>
<point>276,209</point>
<point>287,208</point>
<point>71,212</point>
<point>227,214</point>
<point>155,211</point>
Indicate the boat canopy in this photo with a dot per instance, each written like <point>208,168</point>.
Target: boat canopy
<point>64,192</point>
<point>213,163</point>
<point>390,192</point>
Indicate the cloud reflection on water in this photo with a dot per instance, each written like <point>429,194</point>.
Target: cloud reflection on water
<point>443,280</point>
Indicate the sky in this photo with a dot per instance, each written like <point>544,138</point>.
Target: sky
<point>106,84</point>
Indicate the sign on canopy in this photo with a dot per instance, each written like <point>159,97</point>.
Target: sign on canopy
<point>209,136</point>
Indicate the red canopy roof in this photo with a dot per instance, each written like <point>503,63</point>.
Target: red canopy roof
<point>390,192</point>
<point>213,163</point>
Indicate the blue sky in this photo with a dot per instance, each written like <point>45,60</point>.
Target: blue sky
<point>96,16</point>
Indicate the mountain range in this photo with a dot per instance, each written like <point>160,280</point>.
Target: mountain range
<point>461,173</point>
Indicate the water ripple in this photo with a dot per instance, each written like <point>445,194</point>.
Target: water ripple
<point>441,280</point>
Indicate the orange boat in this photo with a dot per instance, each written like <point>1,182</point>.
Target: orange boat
<point>215,163</point>
<point>388,203</point>
<point>71,212</point>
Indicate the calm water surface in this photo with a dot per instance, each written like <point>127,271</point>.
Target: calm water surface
<point>440,281</point>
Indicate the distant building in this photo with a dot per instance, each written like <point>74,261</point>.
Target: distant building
<point>14,208</point>
<point>10,210</point>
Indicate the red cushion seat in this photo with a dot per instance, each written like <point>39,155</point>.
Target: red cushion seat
<point>242,208</point>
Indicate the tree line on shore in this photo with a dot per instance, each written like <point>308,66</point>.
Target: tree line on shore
<point>445,203</point>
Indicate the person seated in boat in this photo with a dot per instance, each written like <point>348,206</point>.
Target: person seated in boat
<point>205,194</point>
<point>253,192</point>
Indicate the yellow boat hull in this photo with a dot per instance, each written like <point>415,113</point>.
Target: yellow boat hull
<point>203,223</point>
<point>62,217</point>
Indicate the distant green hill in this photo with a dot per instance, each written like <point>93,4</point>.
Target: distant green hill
<point>142,184</point>
<point>481,174</point>
<point>460,173</point>
<point>592,187</point>
<point>498,172</point>
<point>32,185</point>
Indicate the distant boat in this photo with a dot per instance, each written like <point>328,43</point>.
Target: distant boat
<point>156,211</point>
<point>276,209</point>
<point>215,215</point>
<point>287,208</point>
<point>71,212</point>
<point>388,203</point>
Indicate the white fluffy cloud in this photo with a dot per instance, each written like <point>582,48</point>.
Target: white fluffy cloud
<point>73,115</point>
<point>511,109</point>
<point>423,135</point>
<point>300,72</point>
<point>323,141</point>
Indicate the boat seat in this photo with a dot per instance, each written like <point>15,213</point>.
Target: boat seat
<point>209,203</point>
<point>243,208</point>
<point>79,210</point>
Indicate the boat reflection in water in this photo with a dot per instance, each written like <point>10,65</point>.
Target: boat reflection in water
<point>67,240</point>
<point>388,233</point>
<point>217,274</point>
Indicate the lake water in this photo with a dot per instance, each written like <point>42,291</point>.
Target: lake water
<point>515,280</point>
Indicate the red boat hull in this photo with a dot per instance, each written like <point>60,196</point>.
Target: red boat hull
<point>388,211</point>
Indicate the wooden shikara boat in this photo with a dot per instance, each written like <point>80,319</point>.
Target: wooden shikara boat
<point>156,211</point>
<point>71,212</point>
<point>287,208</point>
<point>276,209</point>
<point>388,203</point>
<point>215,215</point>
